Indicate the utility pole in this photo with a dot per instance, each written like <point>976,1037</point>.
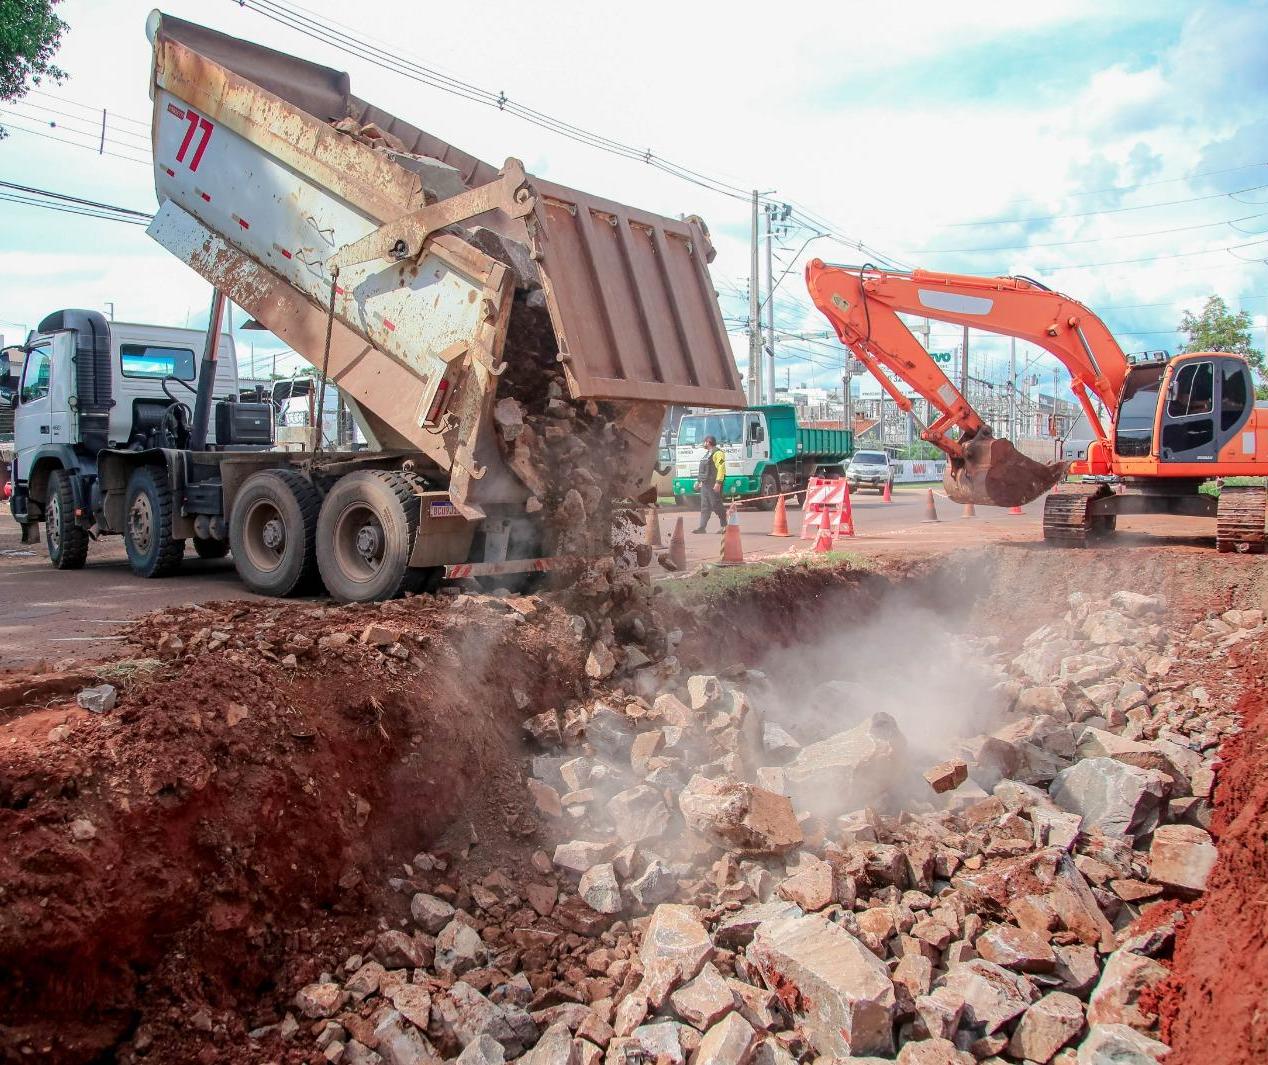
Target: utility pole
<point>754,317</point>
<point>770,299</point>
<point>1012,390</point>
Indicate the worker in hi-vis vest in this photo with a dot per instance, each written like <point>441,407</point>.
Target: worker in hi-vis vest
<point>712,474</point>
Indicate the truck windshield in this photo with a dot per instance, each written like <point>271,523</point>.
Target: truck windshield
<point>869,458</point>
<point>724,428</point>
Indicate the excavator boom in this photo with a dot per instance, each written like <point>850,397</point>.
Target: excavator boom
<point>863,304</point>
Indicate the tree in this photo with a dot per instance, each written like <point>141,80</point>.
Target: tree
<point>29,36</point>
<point>1218,329</point>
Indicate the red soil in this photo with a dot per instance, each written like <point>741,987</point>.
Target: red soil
<point>1211,1008</point>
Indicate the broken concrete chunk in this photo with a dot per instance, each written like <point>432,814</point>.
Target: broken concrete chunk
<point>600,890</point>
<point>729,1042</point>
<point>705,1000</point>
<point>1046,1027</point>
<point>1117,799</point>
<point>811,887</point>
<point>947,776</point>
<point>850,769</point>
<point>601,661</point>
<point>675,948</point>
<point>841,990</point>
<point>736,930</point>
<point>459,949</point>
<point>97,700</point>
<point>320,1000</point>
<point>992,995</point>
<point>578,855</point>
<point>1117,1044</point>
<point>400,1043</point>
<point>483,1050</point>
<point>1016,948</point>
<point>1181,857</point>
<point>1116,999</point>
<point>638,814</point>
<point>657,884</point>
<point>929,1052</point>
<point>430,913</point>
<point>703,691</point>
<point>732,813</point>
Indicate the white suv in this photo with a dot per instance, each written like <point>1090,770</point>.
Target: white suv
<point>870,468</point>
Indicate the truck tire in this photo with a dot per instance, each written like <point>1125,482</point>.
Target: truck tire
<point>67,540</point>
<point>769,487</point>
<point>273,533</point>
<point>147,533</point>
<point>365,535</point>
<point>210,547</point>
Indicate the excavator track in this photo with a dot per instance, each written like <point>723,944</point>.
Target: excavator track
<point>1066,521</point>
<point>1240,519</point>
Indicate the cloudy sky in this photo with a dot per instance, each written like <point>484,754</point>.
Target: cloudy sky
<point>1115,151</point>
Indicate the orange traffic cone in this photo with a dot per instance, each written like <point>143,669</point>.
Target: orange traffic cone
<point>1015,510</point>
<point>779,527</point>
<point>931,510</point>
<point>652,529</point>
<point>969,512</point>
<point>732,552</point>
<point>887,496</point>
<point>678,547</point>
<point>823,542</point>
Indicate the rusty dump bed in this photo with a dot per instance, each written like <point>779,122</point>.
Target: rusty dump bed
<point>628,292</point>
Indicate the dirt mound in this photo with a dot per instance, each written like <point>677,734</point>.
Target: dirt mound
<point>259,781</point>
<point>1211,1006</point>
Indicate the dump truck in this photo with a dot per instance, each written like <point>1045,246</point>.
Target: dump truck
<point>767,452</point>
<point>507,345</point>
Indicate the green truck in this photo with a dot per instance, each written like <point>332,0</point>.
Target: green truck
<point>767,452</point>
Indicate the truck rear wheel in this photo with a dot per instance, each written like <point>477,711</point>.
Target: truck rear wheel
<point>273,533</point>
<point>365,535</point>
<point>147,535</point>
<point>67,540</point>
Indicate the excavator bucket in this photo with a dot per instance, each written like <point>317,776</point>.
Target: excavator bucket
<point>994,473</point>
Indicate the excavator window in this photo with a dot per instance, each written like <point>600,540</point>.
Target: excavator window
<point>1233,395</point>
<point>1193,391</point>
<point>1134,428</point>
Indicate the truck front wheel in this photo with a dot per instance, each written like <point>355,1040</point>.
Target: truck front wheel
<point>365,535</point>
<point>147,535</point>
<point>273,533</point>
<point>769,489</point>
<point>67,540</point>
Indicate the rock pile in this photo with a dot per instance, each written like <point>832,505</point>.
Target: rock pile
<point>722,894</point>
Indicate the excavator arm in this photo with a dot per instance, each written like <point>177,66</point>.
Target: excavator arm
<point>863,304</point>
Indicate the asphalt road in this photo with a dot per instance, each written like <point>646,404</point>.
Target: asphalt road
<point>59,617</point>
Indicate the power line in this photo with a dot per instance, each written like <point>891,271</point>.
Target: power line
<point>9,125</point>
<point>67,209</point>
<point>1155,258</point>
<point>1109,210</point>
<point>95,125</point>
<point>76,200</point>
<point>1091,240</point>
<point>88,107</point>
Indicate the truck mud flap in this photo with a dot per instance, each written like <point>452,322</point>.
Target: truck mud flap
<point>497,569</point>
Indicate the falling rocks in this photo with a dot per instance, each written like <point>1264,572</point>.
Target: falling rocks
<point>933,1052</point>
<point>992,995</point>
<point>1116,799</point>
<point>1116,999</point>
<point>578,855</point>
<point>466,1014</point>
<point>638,814</point>
<point>319,1000</point>
<point>852,768</point>
<point>599,888</point>
<point>735,814</point>
<point>1117,1044</point>
<point>811,887</point>
<point>610,733</point>
<point>601,661</point>
<point>736,930</point>
<point>1181,857</point>
<point>839,988</point>
<point>1046,1027</point>
<point>947,776</point>
<point>729,1042</point>
<point>675,948</point>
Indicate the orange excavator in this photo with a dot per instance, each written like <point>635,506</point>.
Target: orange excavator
<point>1173,423</point>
